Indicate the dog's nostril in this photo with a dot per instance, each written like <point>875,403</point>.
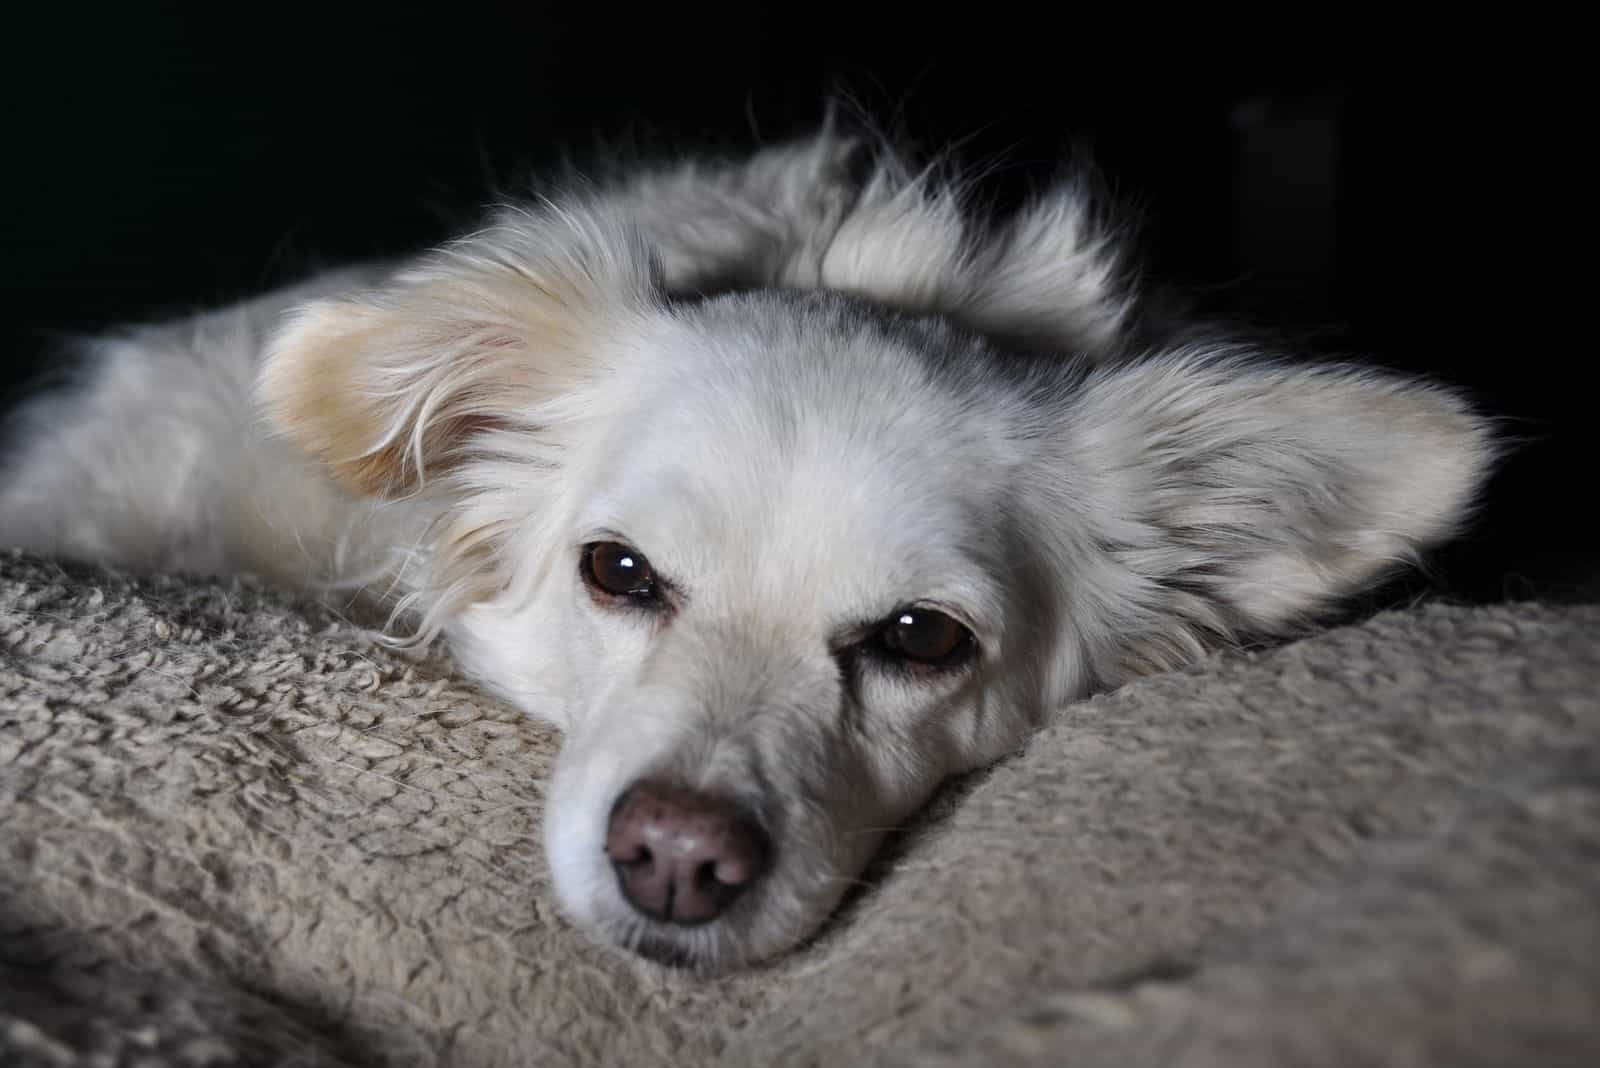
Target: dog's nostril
<point>640,856</point>
<point>681,856</point>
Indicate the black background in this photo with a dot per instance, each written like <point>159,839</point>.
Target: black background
<point>1366,192</point>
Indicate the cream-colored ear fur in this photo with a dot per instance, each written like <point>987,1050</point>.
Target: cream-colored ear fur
<point>395,386</point>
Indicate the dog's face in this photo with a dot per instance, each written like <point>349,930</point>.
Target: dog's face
<point>784,586</point>
<point>781,563</point>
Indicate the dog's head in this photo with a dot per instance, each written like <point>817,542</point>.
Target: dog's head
<point>782,561</point>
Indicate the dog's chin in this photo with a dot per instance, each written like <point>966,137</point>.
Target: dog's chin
<point>745,936</point>
<point>698,951</point>
<point>667,953</point>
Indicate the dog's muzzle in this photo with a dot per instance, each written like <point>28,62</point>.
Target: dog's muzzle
<point>681,856</point>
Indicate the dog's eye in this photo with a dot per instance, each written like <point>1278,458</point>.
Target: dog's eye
<point>926,636</point>
<point>616,570</point>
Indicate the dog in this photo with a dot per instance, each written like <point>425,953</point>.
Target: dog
<point>787,487</point>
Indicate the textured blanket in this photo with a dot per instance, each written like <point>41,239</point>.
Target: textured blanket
<point>232,831</point>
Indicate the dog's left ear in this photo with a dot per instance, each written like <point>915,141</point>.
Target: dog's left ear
<point>391,387</point>
<point>1236,497</point>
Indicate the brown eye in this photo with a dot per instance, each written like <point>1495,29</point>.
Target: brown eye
<point>925,636</point>
<point>611,568</point>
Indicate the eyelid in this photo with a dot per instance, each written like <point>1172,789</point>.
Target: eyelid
<point>600,534</point>
<point>852,635</point>
<point>955,612</point>
<point>927,605</point>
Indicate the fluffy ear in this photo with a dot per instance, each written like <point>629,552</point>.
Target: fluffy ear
<point>1053,277</point>
<point>762,221</point>
<point>1236,497</point>
<point>1050,279</point>
<point>396,385</point>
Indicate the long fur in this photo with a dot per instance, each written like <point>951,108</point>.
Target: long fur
<point>814,387</point>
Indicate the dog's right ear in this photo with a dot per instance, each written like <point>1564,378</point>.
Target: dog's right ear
<point>395,386</point>
<point>1234,495</point>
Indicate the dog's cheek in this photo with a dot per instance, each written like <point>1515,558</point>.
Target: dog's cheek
<point>914,739</point>
<point>546,653</point>
<point>911,749</point>
<point>882,771</point>
<point>988,718</point>
<point>604,650</point>
<point>517,650</point>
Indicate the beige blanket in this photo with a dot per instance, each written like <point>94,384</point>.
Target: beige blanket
<point>233,832</point>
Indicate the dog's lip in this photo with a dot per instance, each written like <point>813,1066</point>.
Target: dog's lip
<point>666,952</point>
<point>682,947</point>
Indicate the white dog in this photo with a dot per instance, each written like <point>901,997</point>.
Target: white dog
<point>784,487</point>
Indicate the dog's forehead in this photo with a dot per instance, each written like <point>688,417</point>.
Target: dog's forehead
<point>803,451</point>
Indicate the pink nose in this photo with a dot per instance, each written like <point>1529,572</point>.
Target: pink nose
<point>680,856</point>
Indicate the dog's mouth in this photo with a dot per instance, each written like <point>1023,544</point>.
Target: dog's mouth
<point>702,949</point>
<point>666,952</point>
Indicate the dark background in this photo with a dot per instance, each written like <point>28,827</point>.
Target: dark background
<point>1362,192</point>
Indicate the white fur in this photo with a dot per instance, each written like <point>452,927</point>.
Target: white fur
<point>816,438</point>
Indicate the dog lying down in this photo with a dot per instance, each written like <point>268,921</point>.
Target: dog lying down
<point>784,487</point>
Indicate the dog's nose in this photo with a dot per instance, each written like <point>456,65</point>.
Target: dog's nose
<point>681,856</point>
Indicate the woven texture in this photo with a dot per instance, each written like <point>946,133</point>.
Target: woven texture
<point>236,832</point>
